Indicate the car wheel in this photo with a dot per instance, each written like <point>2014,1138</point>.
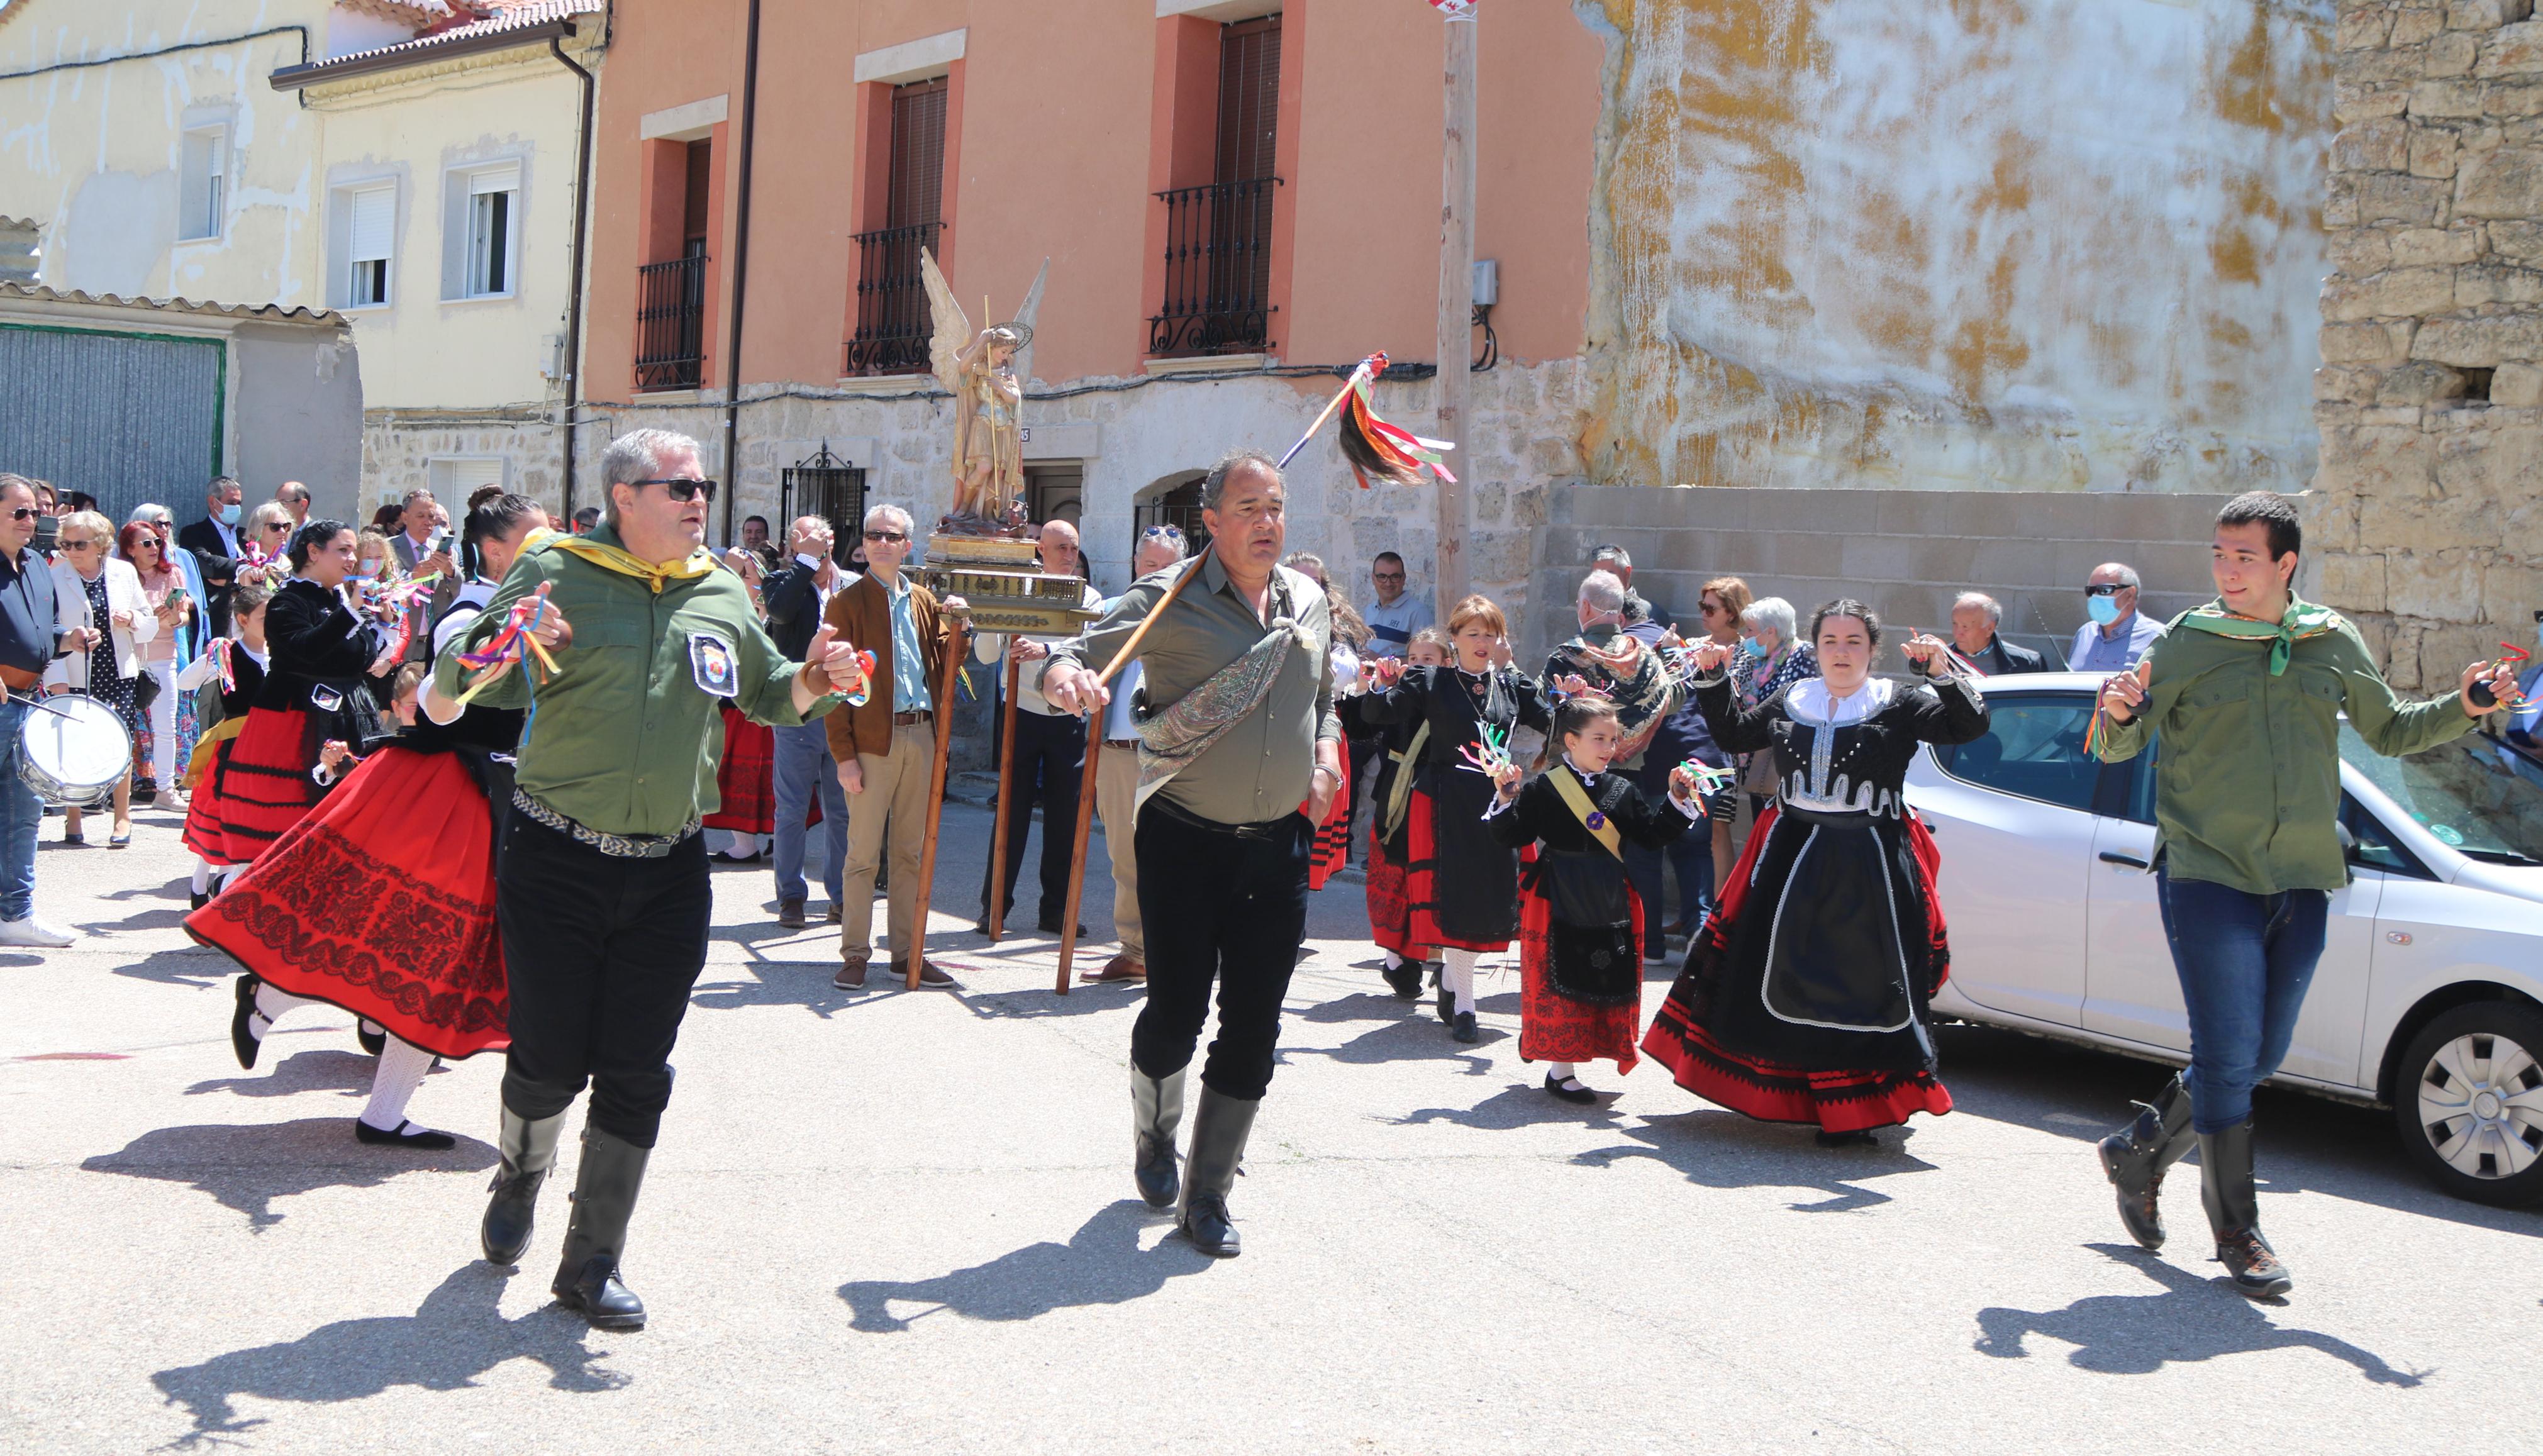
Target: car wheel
<point>2469,1102</point>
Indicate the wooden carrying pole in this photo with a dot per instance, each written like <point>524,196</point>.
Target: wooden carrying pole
<point>1456,296</point>
<point>1086,790</point>
<point>956,643</point>
<point>997,916</point>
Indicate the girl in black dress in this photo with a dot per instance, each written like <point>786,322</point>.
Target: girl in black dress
<point>1804,997</point>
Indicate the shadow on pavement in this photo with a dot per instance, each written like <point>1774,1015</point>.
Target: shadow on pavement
<point>2191,1319</point>
<point>1522,1106</point>
<point>2306,1144</point>
<point>302,1071</point>
<point>1102,1263</point>
<point>453,1338</point>
<point>187,966</point>
<point>1725,1150</point>
<point>246,1167</point>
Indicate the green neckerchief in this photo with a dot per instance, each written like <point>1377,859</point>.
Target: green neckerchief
<point>2303,618</point>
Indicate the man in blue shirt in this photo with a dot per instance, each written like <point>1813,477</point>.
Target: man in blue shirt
<point>28,639</point>
<point>2116,634</point>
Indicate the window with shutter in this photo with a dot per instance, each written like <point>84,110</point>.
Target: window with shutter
<point>893,320</point>
<point>918,154</point>
<point>372,239</point>
<point>492,198</point>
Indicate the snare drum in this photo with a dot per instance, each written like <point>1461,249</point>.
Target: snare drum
<point>72,751</point>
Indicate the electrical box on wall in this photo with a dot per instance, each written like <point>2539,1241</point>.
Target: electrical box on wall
<point>1488,281</point>
<point>552,355</point>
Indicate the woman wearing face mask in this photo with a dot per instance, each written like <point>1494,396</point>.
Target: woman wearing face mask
<point>1804,997</point>
<point>316,690</point>
<point>100,601</point>
<point>383,902</point>
<point>1775,663</point>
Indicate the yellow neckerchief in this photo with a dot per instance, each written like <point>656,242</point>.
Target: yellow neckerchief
<point>1576,799</point>
<point>625,562</point>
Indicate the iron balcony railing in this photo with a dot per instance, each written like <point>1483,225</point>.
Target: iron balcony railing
<point>670,323</point>
<point>1218,269</point>
<point>892,318</point>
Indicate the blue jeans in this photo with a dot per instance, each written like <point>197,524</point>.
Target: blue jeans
<point>2244,961</point>
<point>804,765</point>
<point>22,814</point>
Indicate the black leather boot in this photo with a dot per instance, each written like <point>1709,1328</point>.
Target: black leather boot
<point>529,1151</point>
<point>604,1198</point>
<point>2234,1214</point>
<point>1220,1125</point>
<point>1156,1112</point>
<point>2136,1156</point>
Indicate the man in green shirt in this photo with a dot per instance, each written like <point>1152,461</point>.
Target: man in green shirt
<point>601,878</point>
<point>2246,694</point>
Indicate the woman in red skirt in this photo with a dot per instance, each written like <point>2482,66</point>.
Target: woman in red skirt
<point>746,778</point>
<point>1580,924</point>
<point>315,690</point>
<point>1390,916</point>
<point>381,901</point>
<point>1461,884</point>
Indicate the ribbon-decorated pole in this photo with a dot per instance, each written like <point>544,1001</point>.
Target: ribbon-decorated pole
<point>997,912</point>
<point>1095,750</point>
<point>956,646</point>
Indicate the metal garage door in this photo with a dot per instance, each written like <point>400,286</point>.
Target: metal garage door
<point>126,417</point>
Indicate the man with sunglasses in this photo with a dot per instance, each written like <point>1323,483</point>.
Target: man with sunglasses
<point>886,745</point>
<point>2116,635</point>
<point>601,879</point>
<point>28,639</point>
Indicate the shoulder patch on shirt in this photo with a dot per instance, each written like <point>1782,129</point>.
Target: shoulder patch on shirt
<point>711,664</point>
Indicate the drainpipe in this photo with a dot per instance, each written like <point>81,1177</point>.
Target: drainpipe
<point>741,272</point>
<point>574,283</point>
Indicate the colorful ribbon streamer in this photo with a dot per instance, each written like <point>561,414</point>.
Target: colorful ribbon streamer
<point>1490,754</point>
<point>509,646</point>
<point>1399,452</point>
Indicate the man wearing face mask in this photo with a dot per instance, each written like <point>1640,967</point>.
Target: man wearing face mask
<point>2116,634</point>
<point>215,540</point>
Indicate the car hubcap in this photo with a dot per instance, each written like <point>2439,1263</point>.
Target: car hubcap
<point>2481,1103</point>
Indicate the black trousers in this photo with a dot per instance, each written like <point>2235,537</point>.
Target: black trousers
<point>602,953</point>
<point>1216,904</point>
<point>1049,766</point>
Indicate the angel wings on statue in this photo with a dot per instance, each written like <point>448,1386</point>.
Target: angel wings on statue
<point>981,372</point>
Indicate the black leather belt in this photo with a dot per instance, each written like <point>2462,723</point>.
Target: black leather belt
<point>904,720</point>
<point>1261,829</point>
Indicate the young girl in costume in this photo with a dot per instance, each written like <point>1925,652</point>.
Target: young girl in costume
<point>238,665</point>
<point>1580,924</point>
<point>1461,884</point>
<point>1390,917</point>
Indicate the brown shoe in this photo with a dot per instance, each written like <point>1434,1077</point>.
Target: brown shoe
<point>929,973</point>
<point>851,976</point>
<point>838,912</point>
<point>789,914</point>
<point>1119,968</point>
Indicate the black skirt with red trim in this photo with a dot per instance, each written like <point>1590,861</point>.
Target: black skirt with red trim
<point>1707,1030</point>
<point>1555,1028</point>
<point>381,902</point>
<point>1461,888</point>
<point>259,786</point>
<point>1331,848</point>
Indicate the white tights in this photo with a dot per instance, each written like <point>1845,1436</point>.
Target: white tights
<point>1457,974</point>
<point>402,1069</point>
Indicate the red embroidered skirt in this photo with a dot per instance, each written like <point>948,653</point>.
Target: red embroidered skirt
<point>381,902</point>
<point>259,787</point>
<point>1554,1027</point>
<point>1422,887</point>
<point>1390,916</point>
<point>1836,1100</point>
<point>1332,849</point>
<point>746,778</point>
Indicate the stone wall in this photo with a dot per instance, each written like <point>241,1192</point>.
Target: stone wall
<point>399,448</point>
<point>2428,522</point>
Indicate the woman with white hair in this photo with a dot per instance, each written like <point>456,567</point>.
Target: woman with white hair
<point>1774,661</point>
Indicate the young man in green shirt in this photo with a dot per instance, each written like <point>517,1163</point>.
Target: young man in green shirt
<point>2246,694</point>
<point>601,878</point>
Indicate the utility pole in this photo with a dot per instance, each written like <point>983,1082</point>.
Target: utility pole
<point>1456,296</point>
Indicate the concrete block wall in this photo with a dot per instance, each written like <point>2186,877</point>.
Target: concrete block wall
<point>1906,553</point>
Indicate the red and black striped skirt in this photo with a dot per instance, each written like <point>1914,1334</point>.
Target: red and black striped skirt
<point>258,788</point>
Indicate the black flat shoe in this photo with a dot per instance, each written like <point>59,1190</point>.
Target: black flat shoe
<point>373,1042</point>
<point>1574,1093</point>
<point>1464,1029</point>
<point>1860,1139</point>
<point>1447,1006</point>
<point>1406,979</point>
<point>199,899</point>
<point>243,1038</point>
<point>407,1136</point>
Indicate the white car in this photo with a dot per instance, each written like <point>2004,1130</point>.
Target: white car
<point>2430,995</point>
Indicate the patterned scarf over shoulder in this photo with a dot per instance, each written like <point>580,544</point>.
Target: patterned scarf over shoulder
<point>1170,738</point>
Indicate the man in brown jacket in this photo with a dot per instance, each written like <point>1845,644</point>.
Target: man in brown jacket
<point>887,745</point>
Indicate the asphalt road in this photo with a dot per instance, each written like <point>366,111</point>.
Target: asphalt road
<point>904,1221</point>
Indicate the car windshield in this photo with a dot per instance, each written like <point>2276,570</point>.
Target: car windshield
<point>2473,794</point>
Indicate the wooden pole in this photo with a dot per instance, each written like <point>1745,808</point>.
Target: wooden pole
<point>1086,790</point>
<point>956,646</point>
<point>1456,300</point>
<point>997,914</point>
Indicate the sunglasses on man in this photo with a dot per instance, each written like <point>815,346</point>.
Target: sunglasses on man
<point>682,488</point>
<point>2107,588</point>
<point>879,537</point>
